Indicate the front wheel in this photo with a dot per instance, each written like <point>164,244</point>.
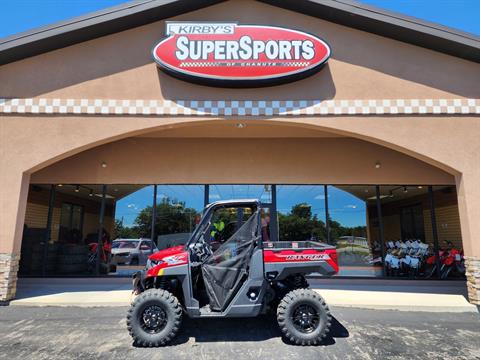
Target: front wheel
<point>304,317</point>
<point>154,318</point>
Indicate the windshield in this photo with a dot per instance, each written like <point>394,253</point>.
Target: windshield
<point>201,225</point>
<point>206,220</point>
<point>124,244</point>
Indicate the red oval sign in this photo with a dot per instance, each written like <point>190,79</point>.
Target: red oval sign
<point>227,54</point>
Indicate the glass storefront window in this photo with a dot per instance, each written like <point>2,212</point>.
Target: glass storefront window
<point>133,211</point>
<point>407,226</point>
<point>178,209</point>
<point>71,223</point>
<point>447,221</point>
<point>301,212</point>
<point>231,192</point>
<point>352,229</point>
<point>411,231</point>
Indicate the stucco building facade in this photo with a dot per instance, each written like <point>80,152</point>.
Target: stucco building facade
<point>98,110</point>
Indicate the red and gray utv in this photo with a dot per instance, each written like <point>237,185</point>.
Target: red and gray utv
<point>228,270</point>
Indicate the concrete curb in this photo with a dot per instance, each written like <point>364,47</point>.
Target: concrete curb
<point>375,300</point>
<point>401,301</point>
<point>431,309</point>
<point>109,298</point>
<point>70,304</point>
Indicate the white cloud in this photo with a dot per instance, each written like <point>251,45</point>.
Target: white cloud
<point>320,197</point>
<point>132,206</point>
<point>214,196</point>
<point>351,206</point>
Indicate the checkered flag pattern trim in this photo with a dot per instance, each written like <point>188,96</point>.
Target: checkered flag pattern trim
<point>241,107</point>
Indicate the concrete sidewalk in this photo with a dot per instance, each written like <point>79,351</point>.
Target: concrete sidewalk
<point>85,292</point>
<point>403,295</point>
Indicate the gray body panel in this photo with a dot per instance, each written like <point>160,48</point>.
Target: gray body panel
<point>285,269</point>
<point>241,305</point>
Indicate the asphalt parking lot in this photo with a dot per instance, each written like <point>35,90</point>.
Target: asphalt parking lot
<point>91,333</point>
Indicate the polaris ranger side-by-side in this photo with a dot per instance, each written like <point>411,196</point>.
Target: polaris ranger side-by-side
<point>228,270</point>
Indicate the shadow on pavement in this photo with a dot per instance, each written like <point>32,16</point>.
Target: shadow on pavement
<point>242,330</point>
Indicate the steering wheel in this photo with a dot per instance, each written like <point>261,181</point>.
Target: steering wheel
<point>201,250</point>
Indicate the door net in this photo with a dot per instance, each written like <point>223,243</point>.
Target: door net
<point>225,270</point>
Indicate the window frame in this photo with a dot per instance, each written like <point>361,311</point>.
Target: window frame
<point>70,218</point>
<point>411,216</point>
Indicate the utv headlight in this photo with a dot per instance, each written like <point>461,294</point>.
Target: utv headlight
<point>152,263</point>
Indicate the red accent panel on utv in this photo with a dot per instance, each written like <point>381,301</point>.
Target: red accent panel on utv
<point>168,258</point>
<point>304,255</point>
<point>159,255</point>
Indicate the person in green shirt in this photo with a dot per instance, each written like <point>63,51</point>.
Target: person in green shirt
<point>217,227</point>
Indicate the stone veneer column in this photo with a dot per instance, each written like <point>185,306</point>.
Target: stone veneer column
<point>8,276</point>
<point>468,193</point>
<point>13,199</point>
<point>472,265</point>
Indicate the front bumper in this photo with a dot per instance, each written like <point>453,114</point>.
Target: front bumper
<point>120,259</point>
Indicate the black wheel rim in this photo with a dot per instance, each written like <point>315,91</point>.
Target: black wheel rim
<point>305,318</point>
<point>153,319</point>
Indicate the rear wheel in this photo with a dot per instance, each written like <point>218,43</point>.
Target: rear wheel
<point>154,318</point>
<point>304,317</point>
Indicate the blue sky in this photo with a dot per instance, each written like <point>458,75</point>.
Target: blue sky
<point>459,14</point>
<point>129,207</point>
<point>21,15</point>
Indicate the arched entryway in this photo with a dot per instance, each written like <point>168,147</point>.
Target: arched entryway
<point>363,197</point>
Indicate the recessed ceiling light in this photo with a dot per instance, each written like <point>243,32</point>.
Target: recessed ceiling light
<point>77,188</point>
<point>380,197</point>
<point>107,196</point>
<point>420,186</point>
<point>378,165</point>
<point>241,125</point>
<point>104,164</point>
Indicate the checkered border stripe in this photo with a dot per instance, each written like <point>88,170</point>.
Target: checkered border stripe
<point>244,64</point>
<point>239,107</point>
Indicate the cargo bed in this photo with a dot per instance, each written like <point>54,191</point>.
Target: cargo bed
<point>296,245</point>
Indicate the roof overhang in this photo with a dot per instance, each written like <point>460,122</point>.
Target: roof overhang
<point>141,12</point>
<point>389,24</point>
<point>93,25</point>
